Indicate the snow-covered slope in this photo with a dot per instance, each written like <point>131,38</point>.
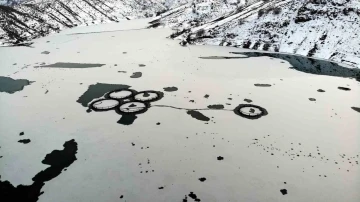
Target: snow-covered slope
<point>38,18</point>
<point>326,29</point>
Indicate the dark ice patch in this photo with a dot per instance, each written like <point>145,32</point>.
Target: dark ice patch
<point>127,119</point>
<point>344,88</point>
<point>309,65</point>
<point>45,52</point>
<point>122,71</point>
<point>170,89</point>
<point>356,109</point>
<point>136,75</point>
<point>262,85</point>
<point>57,159</point>
<point>194,197</point>
<point>98,90</point>
<point>248,100</point>
<point>220,158</point>
<point>202,179</point>
<point>72,65</point>
<point>22,133</point>
<point>206,96</point>
<point>216,106</point>
<point>283,191</point>
<point>197,115</point>
<point>312,99</point>
<point>142,65</point>
<point>25,141</point>
<point>320,91</point>
<point>9,85</point>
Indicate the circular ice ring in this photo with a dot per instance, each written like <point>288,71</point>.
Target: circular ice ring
<point>104,104</point>
<point>257,111</point>
<point>133,107</point>
<point>148,96</point>
<point>120,94</point>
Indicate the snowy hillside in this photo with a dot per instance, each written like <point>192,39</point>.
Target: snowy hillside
<point>326,29</point>
<point>39,18</point>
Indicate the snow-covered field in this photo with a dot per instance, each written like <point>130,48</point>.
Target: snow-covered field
<point>189,145</point>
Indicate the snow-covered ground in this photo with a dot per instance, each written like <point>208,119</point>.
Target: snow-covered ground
<point>189,145</point>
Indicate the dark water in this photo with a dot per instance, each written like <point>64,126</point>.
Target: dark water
<point>248,100</point>
<point>9,85</point>
<point>57,161</point>
<point>309,65</point>
<point>72,65</point>
<point>220,158</point>
<point>216,106</point>
<point>127,119</point>
<point>262,85</point>
<point>356,109</point>
<point>302,63</point>
<point>344,88</point>
<point>170,89</point>
<point>25,141</point>
<point>197,115</point>
<point>194,196</point>
<point>136,75</point>
<point>97,91</point>
<point>45,52</point>
<point>283,191</point>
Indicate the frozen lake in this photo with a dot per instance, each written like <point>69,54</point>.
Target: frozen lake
<point>116,112</point>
